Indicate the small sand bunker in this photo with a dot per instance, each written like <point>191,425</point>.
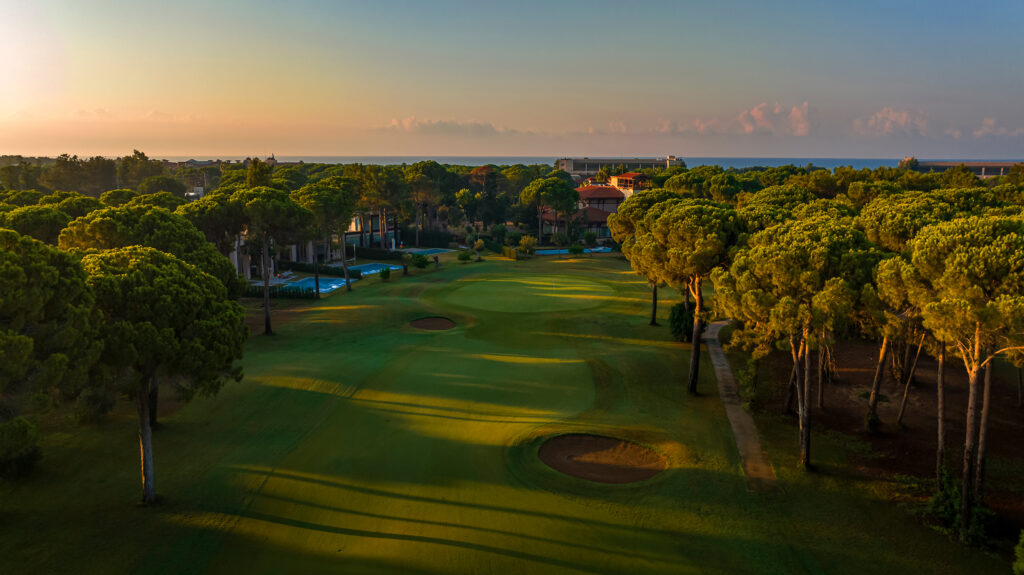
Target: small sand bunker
<point>433,323</point>
<point>601,459</point>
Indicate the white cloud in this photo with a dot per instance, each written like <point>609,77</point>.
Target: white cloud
<point>798,121</point>
<point>470,128</point>
<point>989,128</point>
<point>889,121</point>
<point>763,118</point>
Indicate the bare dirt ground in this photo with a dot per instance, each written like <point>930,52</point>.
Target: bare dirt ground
<point>601,459</point>
<point>909,449</point>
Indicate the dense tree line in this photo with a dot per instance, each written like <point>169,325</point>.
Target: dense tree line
<point>801,257</point>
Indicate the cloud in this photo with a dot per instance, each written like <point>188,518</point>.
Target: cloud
<point>890,121</point>
<point>989,128</point>
<point>798,121</point>
<point>470,128</point>
<point>617,127</point>
<point>763,118</point>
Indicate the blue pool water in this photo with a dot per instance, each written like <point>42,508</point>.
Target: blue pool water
<point>431,251</point>
<point>367,269</point>
<point>601,250</point>
<point>327,285</point>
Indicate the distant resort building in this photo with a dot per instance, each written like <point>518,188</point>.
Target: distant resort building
<point>596,202</point>
<point>629,183</point>
<point>583,167</point>
<point>982,169</point>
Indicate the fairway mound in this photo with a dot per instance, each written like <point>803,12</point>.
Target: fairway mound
<point>433,323</point>
<point>601,459</point>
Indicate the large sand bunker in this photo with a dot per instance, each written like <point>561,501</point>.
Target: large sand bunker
<point>433,323</point>
<point>601,459</point>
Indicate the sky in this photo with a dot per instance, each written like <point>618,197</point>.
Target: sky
<point>865,79</point>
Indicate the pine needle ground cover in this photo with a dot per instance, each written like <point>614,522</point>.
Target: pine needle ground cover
<point>357,443</point>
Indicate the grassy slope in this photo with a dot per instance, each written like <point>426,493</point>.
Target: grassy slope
<point>357,444</point>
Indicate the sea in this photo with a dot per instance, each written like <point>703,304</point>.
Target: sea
<point>725,162</point>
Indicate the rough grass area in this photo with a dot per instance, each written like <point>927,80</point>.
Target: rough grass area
<point>357,444</point>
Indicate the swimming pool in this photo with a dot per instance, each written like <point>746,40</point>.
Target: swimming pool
<point>367,269</point>
<point>600,250</point>
<point>431,251</point>
<point>327,285</point>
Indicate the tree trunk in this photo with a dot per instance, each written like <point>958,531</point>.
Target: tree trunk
<point>821,372</point>
<point>154,400</point>
<point>970,454</point>
<point>146,444</point>
<point>791,390</point>
<point>979,468</point>
<point>805,407</point>
<point>872,417</point>
<point>316,272</point>
<point>266,285</point>
<point>384,229</point>
<point>910,377</point>
<point>654,303</point>
<point>698,327</point>
<point>419,219</point>
<point>940,408</point>
<point>540,226</point>
<point>344,262</point>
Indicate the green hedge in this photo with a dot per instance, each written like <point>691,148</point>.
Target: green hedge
<point>282,291</point>
<point>324,269</point>
<point>428,238</point>
<point>378,254</point>
<point>18,448</point>
<point>492,245</point>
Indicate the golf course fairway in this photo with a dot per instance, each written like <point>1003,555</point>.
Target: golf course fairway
<point>359,444</point>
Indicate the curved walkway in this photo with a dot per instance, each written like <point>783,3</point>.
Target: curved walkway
<point>759,472</point>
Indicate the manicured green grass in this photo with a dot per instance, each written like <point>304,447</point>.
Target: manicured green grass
<point>357,444</point>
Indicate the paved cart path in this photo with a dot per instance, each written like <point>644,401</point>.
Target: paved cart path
<point>760,474</point>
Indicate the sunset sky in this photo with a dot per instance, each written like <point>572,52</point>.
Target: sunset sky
<point>814,79</point>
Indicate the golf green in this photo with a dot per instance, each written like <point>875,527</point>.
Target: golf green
<point>358,444</point>
<point>526,294</point>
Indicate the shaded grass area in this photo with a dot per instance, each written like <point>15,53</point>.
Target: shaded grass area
<point>359,444</point>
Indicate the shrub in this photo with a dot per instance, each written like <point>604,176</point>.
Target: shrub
<point>492,245</point>
<point>378,254</point>
<point>93,404</point>
<point>498,232</point>
<point>407,259</point>
<point>1018,565</point>
<point>385,274</point>
<point>513,238</point>
<point>465,256</point>
<point>590,239</point>
<point>324,269</point>
<point>576,249</point>
<point>559,238</point>
<point>945,507</point>
<point>528,244</point>
<point>19,450</point>
<point>478,246</point>
<point>420,261</point>
<point>680,322</point>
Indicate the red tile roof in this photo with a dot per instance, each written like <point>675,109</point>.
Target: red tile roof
<point>632,175</point>
<point>600,193</point>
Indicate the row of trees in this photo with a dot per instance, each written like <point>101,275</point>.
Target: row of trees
<point>105,313</point>
<point>826,255</point>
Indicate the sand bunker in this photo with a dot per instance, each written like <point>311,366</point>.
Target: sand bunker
<point>433,323</point>
<point>601,459</point>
